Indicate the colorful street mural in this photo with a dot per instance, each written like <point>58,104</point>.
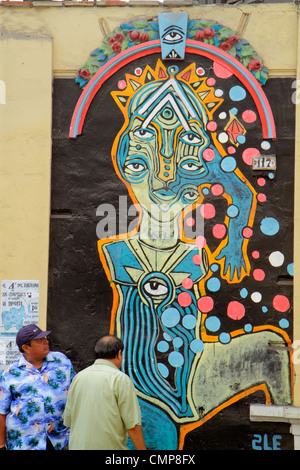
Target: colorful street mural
<point>196,154</point>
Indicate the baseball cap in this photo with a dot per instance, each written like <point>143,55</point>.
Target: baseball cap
<point>29,332</point>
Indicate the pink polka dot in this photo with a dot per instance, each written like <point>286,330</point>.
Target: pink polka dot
<point>247,232</point>
<point>249,116</point>
<point>190,221</point>
<point>231,150</point>
<point>208,211</point>
<point>248,155</point>
<point>235,310</point>
<point>187,283</point>
<point>196,259</point>
<point>281,303</point>
<point>255,254</point>
<point>184,299</point>
<point>261,181</point>
<point>217,189</point>
<point>122,84</point>
<point>200,241</point>
<point>261,197</point>
<point>211,81</point>
<point>221,71</point>
<point>211,126</point>
<point>259,274</point>
<point>219,231</point>
<point>205,304</point>
<point>208,154</point>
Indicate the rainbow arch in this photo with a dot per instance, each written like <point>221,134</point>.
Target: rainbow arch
<point>193,47</point>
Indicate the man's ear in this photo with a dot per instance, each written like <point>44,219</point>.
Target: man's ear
<point>25,348</point>
<point>119,354</point>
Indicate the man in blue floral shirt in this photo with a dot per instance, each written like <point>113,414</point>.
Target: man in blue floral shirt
<point>33,394</point>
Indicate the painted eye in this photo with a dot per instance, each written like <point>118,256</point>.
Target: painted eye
<point>190,166</point>
<point>135,167</point>
<point>173,35</point>
<point>155,288</point>
<point>190,196</point>
<point>144,134</point>
<point>191,138</point>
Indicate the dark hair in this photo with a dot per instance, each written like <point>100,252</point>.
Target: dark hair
<point>108,346</point>
<point>21,347</point>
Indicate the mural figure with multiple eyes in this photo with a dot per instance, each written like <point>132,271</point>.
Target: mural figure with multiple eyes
<point>166,155</point>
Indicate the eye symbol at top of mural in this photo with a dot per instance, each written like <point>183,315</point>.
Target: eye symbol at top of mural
<point>173,30</point>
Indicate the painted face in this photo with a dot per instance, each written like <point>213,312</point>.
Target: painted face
<point>160,152</point>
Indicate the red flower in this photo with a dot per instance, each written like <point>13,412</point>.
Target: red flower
<point>209,33</point>
<point>200,35</point>
<point>254,65</point>
<point>116,47</point>
<point>134,34</point>
<point>144,37</point>
<point>118,37</point>
<point>225,46</point>
<point>111,41</point>
<point>232,40</point>
<point>84,73</point>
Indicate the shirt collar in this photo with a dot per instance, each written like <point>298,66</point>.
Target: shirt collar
<point>24,363</point>
<point>105,362</point>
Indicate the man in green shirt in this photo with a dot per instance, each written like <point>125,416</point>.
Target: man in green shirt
<point>102,406</point>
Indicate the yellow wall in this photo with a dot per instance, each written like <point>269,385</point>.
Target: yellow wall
<point>25,160</point>
<point>40,42</point>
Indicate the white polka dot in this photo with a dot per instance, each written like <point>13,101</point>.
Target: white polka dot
<point>276,258</point>
<point>256,297</point>
<point>223,137</point>
<point>219,92</point>
<point>265,145</point>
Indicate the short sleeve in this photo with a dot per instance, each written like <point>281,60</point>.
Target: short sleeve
<point>5,394</point>
<point>128,403</point>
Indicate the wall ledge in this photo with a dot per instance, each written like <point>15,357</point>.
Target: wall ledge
<point>96,3</point>
<point>273,413</point>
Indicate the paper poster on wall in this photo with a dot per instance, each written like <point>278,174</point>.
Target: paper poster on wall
<point>19,307</point>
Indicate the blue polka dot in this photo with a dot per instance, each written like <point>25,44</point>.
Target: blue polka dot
<point>162,346</point>
<point>234,111</point>
<point>212,323</point>
<point>189,321</point>
<point>176,359</point>
<point>214,267</point>
<point>243,292</point>
<point>205,191</point>
<point>248,328</point>
<point>177,342</point>
<point>224,338</point>
<point>264,309</point>
<point>232,211</point>
<point>290,269</point>
<point>163,370</point>
<point>167,337</point>
<point>237,93</point>
<point>269,226</point>
<point>197,346</point>
<point>241,139</point>
<point>213,284</point>
<point>284,323</point>
<point>170,317</point>
<point>228,164</point>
